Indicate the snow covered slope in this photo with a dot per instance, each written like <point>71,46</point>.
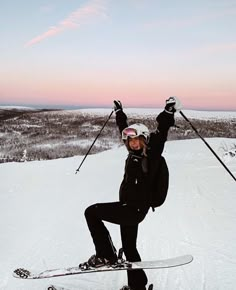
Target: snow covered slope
<point>42,219</point>
<point>137,112</point>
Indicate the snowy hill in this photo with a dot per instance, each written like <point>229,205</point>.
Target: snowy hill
<point>42,223</point>
<point>152,112</point>
<point>20,108</point>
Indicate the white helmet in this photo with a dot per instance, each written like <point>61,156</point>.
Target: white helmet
<point>136,130</point>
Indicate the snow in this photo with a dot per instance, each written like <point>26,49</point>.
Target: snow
<point>16,108</point>
<point>152,112</point>
<point>42,221</point>
<point>136,112</point>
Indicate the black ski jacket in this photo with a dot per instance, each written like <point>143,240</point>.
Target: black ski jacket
<point>139,173</point>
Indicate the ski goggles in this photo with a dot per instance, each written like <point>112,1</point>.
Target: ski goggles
<point>129,132</point>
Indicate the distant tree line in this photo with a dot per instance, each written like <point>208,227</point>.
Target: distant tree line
<point>45,134</point>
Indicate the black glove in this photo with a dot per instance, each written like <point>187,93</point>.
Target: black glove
<point>117,106</point>
<point>170,105</point>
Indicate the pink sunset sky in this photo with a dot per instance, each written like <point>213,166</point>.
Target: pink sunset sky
<point>88,53</point>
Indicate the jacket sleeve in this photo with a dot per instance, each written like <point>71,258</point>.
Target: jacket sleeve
<point>121,120</point>
<point>157,139</point>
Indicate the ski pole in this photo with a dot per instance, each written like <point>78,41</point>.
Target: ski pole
<point>227,169</point>
<point>94,142</point>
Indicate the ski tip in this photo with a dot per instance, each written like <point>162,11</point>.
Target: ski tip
<point>190,257</point>
<point>186,259</point>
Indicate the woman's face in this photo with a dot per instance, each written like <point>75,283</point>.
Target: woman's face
<point>135,143</point>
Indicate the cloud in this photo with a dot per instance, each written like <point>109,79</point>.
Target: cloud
<point>92,10</point>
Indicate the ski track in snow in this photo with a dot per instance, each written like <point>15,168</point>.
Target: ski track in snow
<point>42,219</point>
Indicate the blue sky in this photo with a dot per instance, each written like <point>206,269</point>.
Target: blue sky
<point>90,52</point>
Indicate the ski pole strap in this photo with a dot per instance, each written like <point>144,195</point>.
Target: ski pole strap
<point>222,163</point>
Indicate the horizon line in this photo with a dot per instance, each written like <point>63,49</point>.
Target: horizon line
<point>76,107</point>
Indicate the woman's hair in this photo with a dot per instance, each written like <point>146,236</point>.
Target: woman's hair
<point>142,143</point>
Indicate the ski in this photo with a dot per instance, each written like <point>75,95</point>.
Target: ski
<point>53,287</point>
<point>158,264</point>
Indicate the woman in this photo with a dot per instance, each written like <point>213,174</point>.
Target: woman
<point>144,150</point>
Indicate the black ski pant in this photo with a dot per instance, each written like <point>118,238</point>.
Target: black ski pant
<point>128,218</point>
